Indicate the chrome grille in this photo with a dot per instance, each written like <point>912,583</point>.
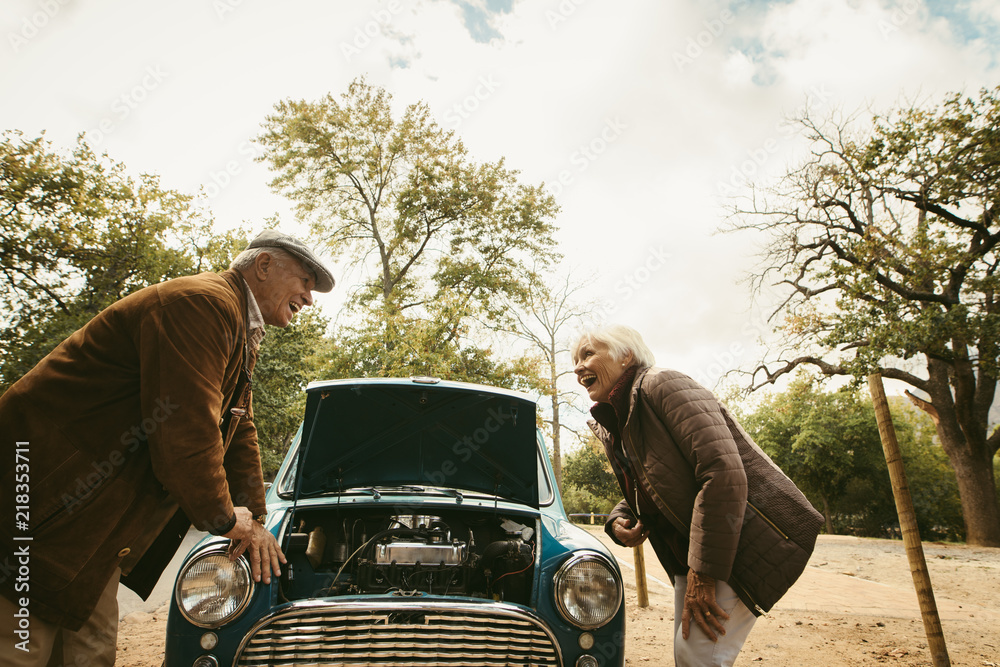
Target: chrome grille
<point>400,632</point>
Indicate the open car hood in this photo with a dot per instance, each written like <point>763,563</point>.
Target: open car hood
<point>421,431</point>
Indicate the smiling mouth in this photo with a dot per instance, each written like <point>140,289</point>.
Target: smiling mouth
<point>588,380</point>
<point>294,307</point>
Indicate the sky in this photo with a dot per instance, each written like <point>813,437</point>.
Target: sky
<point>644,118</point>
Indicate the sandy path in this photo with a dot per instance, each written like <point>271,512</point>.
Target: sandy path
<point>854,605</point>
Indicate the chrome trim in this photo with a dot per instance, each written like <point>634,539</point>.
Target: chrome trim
<point>561,574</point>
<point>213,550</point>
<point>326,613</point>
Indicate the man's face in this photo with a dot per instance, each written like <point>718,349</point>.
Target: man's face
<point>283,289</point>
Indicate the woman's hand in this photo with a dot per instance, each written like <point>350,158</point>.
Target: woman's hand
<point>262,548</point>
<point>700,604</point>
<point>628,534</point>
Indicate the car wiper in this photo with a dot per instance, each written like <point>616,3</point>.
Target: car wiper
<point>377,491</point>
<point>455,493</point>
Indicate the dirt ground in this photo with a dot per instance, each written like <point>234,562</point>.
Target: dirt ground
<point>854,605</point>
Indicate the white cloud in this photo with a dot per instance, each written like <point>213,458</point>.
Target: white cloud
<point>647,110</point>
<point>984,10</point>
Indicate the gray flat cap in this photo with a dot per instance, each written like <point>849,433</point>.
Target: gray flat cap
<point>272,238</point>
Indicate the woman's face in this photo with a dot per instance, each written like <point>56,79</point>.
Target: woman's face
<point>597,371</point>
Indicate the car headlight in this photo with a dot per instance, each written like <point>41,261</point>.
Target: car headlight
<point>588,591</point>
<point>212,590</point>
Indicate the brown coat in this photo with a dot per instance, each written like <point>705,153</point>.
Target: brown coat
<point>742,520</point>
<point>126,420</point>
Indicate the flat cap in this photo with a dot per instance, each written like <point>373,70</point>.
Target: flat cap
<point>272,238</point>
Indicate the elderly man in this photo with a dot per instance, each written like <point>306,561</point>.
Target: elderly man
<point>133,428</point>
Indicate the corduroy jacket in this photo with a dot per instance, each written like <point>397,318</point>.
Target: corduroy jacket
<point>743,521</point>
<point>129,432</point>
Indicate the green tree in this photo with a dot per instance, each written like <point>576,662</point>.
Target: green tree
<point>444,243</point>
<point>822,441</point>
<point>929,474</point>
<point>76,234</point>
<point>371,348</point>
<point>588,479</point>
<point>580,501</point>
<point>290,358</point>
<point>828,444</point>
<point>887,245</point>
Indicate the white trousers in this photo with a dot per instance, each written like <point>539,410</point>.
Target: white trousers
<point>700,651</point>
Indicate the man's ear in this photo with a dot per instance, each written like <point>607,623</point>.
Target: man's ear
<point>262,266</point>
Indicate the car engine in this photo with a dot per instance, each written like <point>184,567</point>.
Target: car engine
<point>472,552</point>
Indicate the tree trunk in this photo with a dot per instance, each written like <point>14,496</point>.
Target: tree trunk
<point>556,427</point>
<point>964,441</point>
<point>556,448</point>
<point>978,491</point>
<point>826,515</point>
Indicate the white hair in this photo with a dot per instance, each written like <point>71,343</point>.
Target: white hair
<point>244,261</point>
<point>620,341</point>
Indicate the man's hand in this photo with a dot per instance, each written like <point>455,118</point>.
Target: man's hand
<point>628,534</point>
<point>260,545</point>
<point>700,604</point>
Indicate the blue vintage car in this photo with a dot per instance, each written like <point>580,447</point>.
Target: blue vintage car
<point>422,526</point>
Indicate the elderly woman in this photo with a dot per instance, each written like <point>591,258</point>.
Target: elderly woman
<point>729,527</point>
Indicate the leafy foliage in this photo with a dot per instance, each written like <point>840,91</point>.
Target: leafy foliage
<point>395,346</point>
<point>445,243</point>
<point>887,244</point>
<point>580,501</point>
<point>828,444</point>
<point>289,359</point>
<point>78,233</point>
<point>588,483</point>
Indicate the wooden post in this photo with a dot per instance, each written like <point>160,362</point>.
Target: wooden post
<point>640,576</point>
<point>908,524</point>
